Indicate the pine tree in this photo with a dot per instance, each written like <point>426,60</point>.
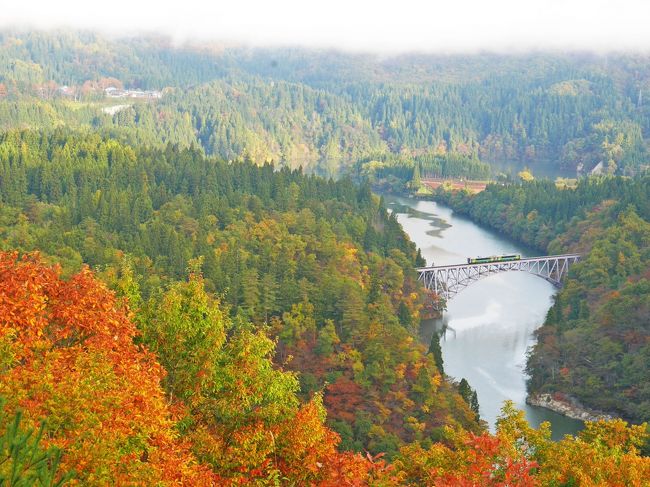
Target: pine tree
<point>269,295</point>
<point>436,351</point>
<point>416,180</point>
<point>465,390</point>
<point>22,459</point>
<point>250,291</point>
<point>474,404</point>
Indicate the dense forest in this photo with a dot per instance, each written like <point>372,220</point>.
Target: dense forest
<point>219,413</point>
<point>248,305</point>
<point>594,344</point>
<point>198,286</point>
<point>401,173</point>
<point>320,266</point>
<point>324,111</point>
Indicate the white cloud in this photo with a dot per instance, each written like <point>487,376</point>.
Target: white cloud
<point>380,25</point>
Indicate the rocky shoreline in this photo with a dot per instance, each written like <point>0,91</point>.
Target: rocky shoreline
<point>566,406</point>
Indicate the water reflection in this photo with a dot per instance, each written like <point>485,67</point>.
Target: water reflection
<point>489,327</point>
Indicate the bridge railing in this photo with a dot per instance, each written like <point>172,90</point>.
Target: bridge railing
<point>448,280</point>
<point>524,259</point>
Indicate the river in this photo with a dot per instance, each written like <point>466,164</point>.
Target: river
<point>489,326</point>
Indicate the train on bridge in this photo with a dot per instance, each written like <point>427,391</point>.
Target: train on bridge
<point>448,280</point>
<point>493,258</point>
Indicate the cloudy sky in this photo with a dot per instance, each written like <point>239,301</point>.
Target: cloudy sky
<point>379,25</point>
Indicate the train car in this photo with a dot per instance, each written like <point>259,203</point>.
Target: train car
<point>493,258</point>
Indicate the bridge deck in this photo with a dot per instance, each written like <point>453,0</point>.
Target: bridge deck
<point>524,259</point>
<point>448,280</point>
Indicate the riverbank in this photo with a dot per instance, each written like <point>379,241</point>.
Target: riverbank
<point>488,328</point>
<point>556,403</point>
<point>455,184</point>
<point>566,406</point>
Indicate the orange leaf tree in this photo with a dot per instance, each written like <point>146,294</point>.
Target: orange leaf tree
<point>242,413</point>
<point>67,354</point>
<point>605,453</point>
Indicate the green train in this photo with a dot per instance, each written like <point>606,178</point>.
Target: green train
<point>493,258</point>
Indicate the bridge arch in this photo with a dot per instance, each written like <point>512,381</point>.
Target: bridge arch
<point>447,281</point>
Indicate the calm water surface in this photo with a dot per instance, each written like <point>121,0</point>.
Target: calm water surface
<point>489,326</point>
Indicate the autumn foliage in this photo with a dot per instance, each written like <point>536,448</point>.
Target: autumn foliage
<point>605,453</point>
<point>68,356</point>
<point>206,406</point>
<point>241,413</point>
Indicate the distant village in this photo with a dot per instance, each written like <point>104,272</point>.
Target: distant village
<point>112,92</point>
<point>108,91</point>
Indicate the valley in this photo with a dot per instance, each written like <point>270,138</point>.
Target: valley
<point>209,254</point>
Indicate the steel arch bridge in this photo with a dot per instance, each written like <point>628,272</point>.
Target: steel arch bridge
<point>448,280</point>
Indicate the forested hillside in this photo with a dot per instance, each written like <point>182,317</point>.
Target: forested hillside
<point>261,325</point>
<point>198,287</point>
<point>319,265</point>
<point>325,111</point>
<point>594,345</point>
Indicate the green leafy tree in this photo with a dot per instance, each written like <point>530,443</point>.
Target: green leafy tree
<point>23,461</point>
